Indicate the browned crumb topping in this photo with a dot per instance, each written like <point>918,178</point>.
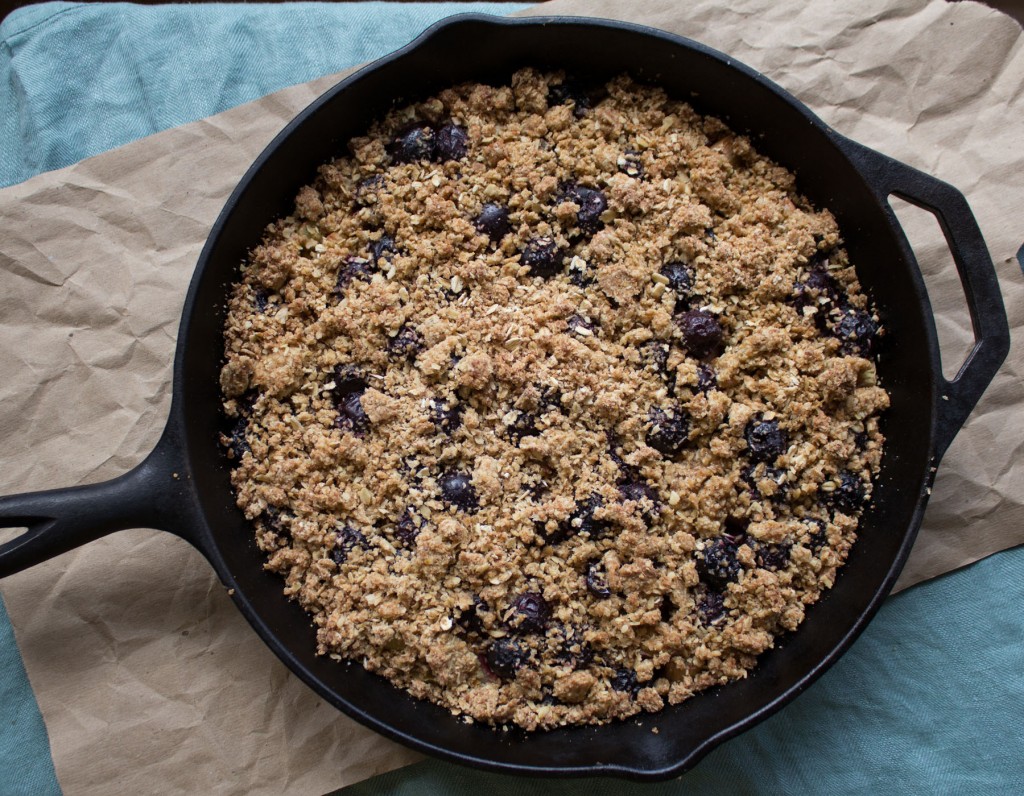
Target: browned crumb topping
<point>552,404</point>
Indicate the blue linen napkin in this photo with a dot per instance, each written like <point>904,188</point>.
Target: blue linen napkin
<point>929,700</point>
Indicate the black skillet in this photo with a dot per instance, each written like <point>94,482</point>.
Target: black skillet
<point>183,487</point>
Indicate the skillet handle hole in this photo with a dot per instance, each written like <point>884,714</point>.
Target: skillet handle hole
<point>945,291</point>
<point>10,534</point>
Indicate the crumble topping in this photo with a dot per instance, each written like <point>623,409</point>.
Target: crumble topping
<point>552,403</point>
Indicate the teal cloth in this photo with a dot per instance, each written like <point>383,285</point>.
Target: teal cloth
<point>929,700</point>
<point>77,79</point>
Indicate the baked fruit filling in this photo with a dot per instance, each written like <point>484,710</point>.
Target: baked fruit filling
<point>552,403</point>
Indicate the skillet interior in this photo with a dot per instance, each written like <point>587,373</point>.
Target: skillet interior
<point>481,48</point>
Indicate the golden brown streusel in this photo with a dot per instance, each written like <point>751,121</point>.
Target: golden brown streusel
<point>585,469</point>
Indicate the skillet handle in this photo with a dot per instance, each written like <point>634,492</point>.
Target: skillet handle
<point>58,520</point>
<point>957,396</point>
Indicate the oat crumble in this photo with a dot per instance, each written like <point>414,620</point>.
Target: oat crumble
<point>552,403</point>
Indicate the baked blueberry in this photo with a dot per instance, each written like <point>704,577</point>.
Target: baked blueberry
<point>639,491</point>
<point>414,145</point>
<point>353,268</point>
<point>667,608</point>
<point>628,471</point>
<point>505,657</point>
<point>857,330</point>
<point>817,534</point>
<point>581,521</point>
<point>548,698</point>
<point>583,97</point>
<point>450,143</point>
<point>537,490</point>
<point>351,416</point>
<point>522,425</point>
<point>630,164</point>
<point>382,249</point>
<point>625,680</point>
<point>540,528</point>
<point>821,283</point>
<point>680,281</point>
<point>645,496</point>
<point>655,355</point>
<point>591,203</point>
<point>753,474</point>
<point>542,256</point>
<point>446,415</point>
<point>406,344</point>
<point>471,619</point>
<point>848,496</point>
<point>273,519</point>
<point>493,222</point>
<point>579,325</point>
<point>860,439</point>
<point>702,333</point>
<point>530,613</point>
<point>238,444</point>
<point>596,581</point>
<point>348,391</point>
<point>710,604</point>
<point>369,189</point>
<point>822,292</point>
<point>571,92</point>
<point>580,272</point>
<point>717,564</point>
<point>670,431</point>
<point>550,399</point>
<point>570,648</point>
<point>707,379</point>
<point>346,540</point>
<point>348,379</point>
<point>457,490</point>
<point>259,299</point>
<point>247,401</point>
<point>765,440</point>
<point>772,556</point>
<point>407,529</point>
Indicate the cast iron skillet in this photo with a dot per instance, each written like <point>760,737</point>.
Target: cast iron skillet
<point>183,486</point>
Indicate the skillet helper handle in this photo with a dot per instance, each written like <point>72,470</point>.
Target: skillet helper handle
<point>59,520</point>
<point>959,395</point>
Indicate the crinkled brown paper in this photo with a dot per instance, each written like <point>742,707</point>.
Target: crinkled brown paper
<point>149,680</point>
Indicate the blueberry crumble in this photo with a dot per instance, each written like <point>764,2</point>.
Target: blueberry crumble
<point>552,403</point>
